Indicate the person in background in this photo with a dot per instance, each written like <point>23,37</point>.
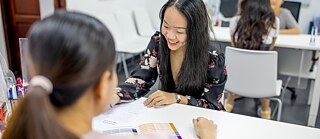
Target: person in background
<point>255,27</point>
<point>190,69</point>
<point>73,79</point>
<point>288,24</point>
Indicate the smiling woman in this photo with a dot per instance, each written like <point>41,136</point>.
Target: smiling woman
<point>191,71</point>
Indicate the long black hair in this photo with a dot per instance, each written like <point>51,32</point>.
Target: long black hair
<point>72,50</point>
<point>193,72</point>
<point>257,18</point>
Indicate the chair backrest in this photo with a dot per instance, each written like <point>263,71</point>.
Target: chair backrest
<point>229,8</point>
<point>110,21</point>
<point>144,23</point>
<point>293,7</point>
<point>251,73</point>
<point>126,23</point>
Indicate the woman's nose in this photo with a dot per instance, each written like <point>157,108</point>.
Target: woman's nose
<point>171,35</point>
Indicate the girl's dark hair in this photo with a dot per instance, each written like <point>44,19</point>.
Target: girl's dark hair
<point>193,72</point>
<point>72,50</point>
<point>257,18</point>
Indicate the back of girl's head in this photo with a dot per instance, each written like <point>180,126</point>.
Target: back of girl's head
<point>196,53</point>
<point>256,19</point>
<point>72,50</point>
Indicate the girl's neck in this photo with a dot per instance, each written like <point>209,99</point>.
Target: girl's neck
<point>77,118</point>
<point>277,11</point>
<point>178,53</point>
<point>176,59</point>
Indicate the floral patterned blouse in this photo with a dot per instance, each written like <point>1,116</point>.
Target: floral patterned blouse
<point>142,79</point>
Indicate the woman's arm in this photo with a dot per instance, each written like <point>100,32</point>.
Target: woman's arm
<point>233,25</point>
<point>291,25</point>
<point>292,31</point>
<point>232,41</point>
<point>143,78</point>
<point>275,33</point>
<point>274,39</point>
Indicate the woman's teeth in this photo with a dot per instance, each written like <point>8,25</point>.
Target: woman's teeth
<point>172,42</point>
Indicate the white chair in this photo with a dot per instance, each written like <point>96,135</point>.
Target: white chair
<point>128,27</point>
<point>253,74</point>
<point>144,23</point>
<point>126,39</point>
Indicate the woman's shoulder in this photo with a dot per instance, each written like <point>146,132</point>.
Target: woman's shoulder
<point>156,36</point>
<point>285,11</point>
<point>214,50</point>
<point>155,41</point>
<point>235,18</point>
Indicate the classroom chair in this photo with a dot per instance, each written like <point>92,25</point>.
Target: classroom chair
<point>253,74</point>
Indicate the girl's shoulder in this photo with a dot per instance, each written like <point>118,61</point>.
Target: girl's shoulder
<point>285,11</point>
<point>235,18</point>
<point>214,50</point>
<point>156,37</point>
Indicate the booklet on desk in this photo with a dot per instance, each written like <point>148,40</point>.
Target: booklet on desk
<point>157,129</point>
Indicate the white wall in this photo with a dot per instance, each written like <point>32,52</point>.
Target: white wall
<point>99,7</point>
<point>306,14</point>
<point>3,49</point>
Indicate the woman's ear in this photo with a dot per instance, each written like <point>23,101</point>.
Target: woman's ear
<point>103,84</point>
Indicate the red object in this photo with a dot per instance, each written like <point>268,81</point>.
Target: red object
<point>19,82</point>
<point>3,111</point>
<point>217,23</point>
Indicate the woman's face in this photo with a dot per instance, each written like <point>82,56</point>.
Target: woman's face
<point>276,3</point>
<point>174,28</point>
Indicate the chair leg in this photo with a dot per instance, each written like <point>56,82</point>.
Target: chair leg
<point>285,87</point>
<point>124,64</point>
<point>279,108</point>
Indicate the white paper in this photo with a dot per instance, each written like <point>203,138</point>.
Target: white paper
<point>119,115</point>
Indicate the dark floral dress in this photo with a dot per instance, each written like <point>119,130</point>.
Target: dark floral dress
<point>142,79</point>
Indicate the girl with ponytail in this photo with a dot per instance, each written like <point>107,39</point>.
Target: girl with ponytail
<point>73,80</point>
<point>73,57</point>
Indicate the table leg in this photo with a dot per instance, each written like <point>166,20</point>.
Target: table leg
<point>313,113</point>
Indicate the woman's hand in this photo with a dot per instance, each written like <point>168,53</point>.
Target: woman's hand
<point>160,98</point>
<point>205,129</point>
